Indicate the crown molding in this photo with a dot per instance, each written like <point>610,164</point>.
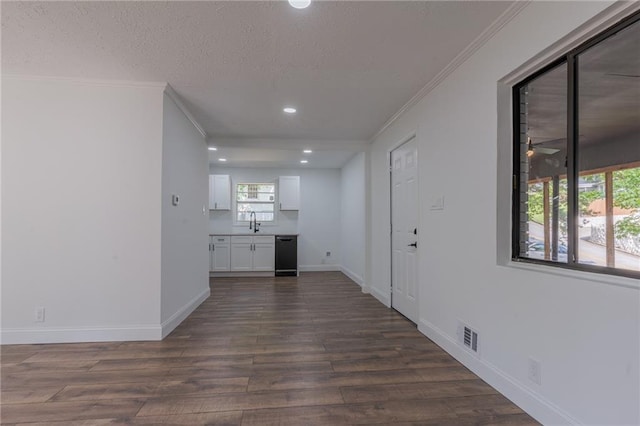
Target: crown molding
<point>87,81</point>
<point>176,99</point>
<point>502,20</point>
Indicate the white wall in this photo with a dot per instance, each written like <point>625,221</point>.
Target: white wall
<point>185,261</point>
<point>583,328</point>
<point>317,222</point>
<point>352,218</point>
<point>81,169</point>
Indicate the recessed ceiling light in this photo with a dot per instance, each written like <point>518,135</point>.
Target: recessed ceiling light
<point>307,151</point>
<point>304,161</point>
<point>222,159</point>
<point>289,110</point>
<point>300,4</point>
<point>213,148</point>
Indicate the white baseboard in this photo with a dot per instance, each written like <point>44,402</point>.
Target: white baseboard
<point>385,299</point>
<point>535,405</point>
<point>318,268</point>
<point>169,325</point>
<point>18,336</point>
<point>352,276</point>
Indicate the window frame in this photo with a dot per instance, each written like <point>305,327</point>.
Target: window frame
<point>273,202</point>
<point>570,58</point>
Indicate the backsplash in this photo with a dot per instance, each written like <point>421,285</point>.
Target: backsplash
<point>221,222</point>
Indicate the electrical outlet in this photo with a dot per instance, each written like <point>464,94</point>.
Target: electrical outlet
<point>535,371</point>
<point>39,314</point>
<point>328,254</point>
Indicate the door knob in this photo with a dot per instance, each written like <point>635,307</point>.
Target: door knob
<point>413,245</point>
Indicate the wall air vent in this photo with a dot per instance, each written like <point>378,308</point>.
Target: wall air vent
<point>470,339</point>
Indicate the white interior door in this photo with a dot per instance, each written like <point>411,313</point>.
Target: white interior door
<point>404,227</point>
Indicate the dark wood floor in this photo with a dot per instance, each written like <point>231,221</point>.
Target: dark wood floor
<point>264,351</point>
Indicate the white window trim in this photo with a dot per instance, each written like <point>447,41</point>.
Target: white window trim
<point>600,23</point>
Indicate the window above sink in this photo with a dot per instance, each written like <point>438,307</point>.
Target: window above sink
<point>255,197</point>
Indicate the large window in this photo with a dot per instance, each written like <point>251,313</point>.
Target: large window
<point>255,197</point>
<point>577,157</point>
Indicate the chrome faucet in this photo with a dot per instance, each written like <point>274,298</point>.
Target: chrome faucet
<point>252,222</point>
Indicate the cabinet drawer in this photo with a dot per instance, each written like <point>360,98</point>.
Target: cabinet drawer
<point>263,239</point>
<point>242,239</point>
<point>220,239</point>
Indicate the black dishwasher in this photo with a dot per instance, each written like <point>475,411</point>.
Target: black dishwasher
<point>286,255</point>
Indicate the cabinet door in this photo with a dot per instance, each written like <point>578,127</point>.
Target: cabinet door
<point>289,192</point>
<point>221,253</point>
<point>241,256</point>
<point>264,256</point>
<point>219,192</point>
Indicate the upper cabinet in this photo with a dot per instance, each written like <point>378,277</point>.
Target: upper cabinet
<point>289,192</point>
<point>219,192</point>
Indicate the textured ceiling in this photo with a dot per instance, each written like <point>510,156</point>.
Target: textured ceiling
<point>347,66</point>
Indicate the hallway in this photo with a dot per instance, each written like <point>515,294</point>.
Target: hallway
<point>259,351</point>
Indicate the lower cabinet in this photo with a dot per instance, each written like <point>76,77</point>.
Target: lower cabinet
<point>219,253</point>
<point>264,253</point>
<point>242,253</point>
<point>253,253</point>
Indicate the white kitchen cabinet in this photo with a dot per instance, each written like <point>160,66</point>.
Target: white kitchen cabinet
<point>289,192</point>
<point>241,253</point>
<point>220,253</point>
<point>264,253</point>
<point>253,253</point>
<point>219,192</point>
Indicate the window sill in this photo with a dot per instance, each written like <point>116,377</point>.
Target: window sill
<point>614,280</point>
<point>246,224</point>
